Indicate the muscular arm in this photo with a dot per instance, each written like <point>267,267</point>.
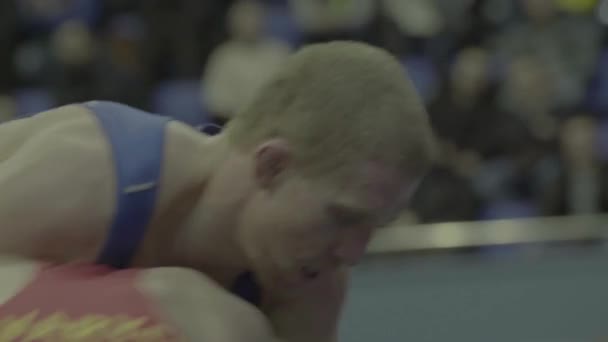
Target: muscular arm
<point>313,313</point>
<point>203,311</point>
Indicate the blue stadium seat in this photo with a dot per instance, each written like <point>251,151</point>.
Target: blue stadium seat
<point>181,100</point>
<point>30,101</point>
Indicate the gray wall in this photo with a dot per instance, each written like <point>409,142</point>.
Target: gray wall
<point>560,295</point>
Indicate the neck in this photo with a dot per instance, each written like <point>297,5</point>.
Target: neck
<point>207,237</point>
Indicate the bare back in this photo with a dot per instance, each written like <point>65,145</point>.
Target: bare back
<point>57,175</point>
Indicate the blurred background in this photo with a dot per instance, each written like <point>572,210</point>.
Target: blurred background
<point>517,89</point>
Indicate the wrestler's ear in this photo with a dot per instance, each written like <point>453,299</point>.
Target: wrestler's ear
<point>272,158</point>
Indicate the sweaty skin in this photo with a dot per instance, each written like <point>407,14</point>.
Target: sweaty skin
<point>192,304</point>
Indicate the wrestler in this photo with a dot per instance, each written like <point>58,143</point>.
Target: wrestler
<point>83,302</point>
<point>276,207</point>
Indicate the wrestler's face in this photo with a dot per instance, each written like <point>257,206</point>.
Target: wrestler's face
<point>296,228</point>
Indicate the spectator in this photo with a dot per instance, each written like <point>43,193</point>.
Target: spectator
<point>466,95</point>
<point>240,66</point>
<point>180,35</point>
<point>515,139</point>
<point>461,26</point>
<point>200,29</point>
<point>72,72</point>
<point>325,20</point>
<point>466,113</point>
<point>446,194</point>
<point>581,185</point>
<point>566,45</point>
<point>416,18</point>
<point>120,67</point>
<point>410,24</point>
<point>529,93</point>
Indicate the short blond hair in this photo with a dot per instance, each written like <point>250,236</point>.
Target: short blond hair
<point>337,104</point>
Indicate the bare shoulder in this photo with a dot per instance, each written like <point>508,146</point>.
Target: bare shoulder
<point>56,178</point>
<point>63,131</point>
<point>14,134</point>
<point>203,310</point>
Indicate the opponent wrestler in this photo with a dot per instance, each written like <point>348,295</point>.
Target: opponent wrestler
<point>94,303</point>
<point>286,197</point>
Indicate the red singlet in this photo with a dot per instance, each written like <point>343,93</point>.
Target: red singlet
<point>82,303</point>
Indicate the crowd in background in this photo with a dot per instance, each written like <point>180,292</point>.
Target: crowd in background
<point>517,90</point>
